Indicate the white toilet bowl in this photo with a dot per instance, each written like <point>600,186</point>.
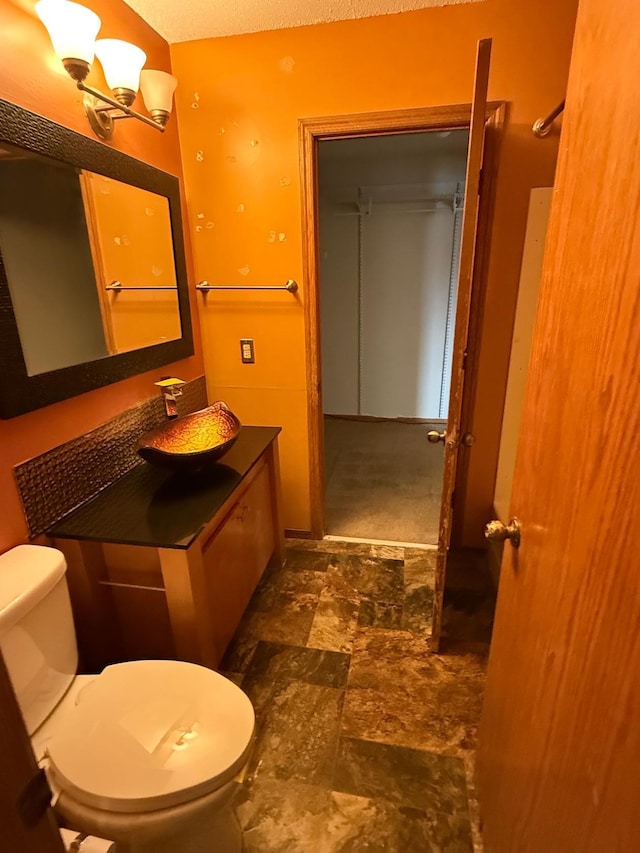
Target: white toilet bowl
<point>205,825</point>
<point>148,754</point>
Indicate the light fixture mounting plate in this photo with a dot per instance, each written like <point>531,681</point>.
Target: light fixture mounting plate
<point>100,120</point>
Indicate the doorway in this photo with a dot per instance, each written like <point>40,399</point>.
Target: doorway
<point>484,121</point>
<point>312,132</point>
<point>390,219</point>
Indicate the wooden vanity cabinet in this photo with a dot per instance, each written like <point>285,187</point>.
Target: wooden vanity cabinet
<point>136,601</point>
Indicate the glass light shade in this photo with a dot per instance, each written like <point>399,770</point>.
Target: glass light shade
<point>72,28</point>
<point>121,63</point>
<point>157,89</point>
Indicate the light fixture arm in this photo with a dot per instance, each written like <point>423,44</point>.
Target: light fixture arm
<point>101,118</point>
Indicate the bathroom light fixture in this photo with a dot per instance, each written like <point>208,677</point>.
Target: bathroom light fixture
<point>73,30</point>
<point>122,63</point>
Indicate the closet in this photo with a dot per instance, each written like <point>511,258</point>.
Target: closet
<point>390,224</point>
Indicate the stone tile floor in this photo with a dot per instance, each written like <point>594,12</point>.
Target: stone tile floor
<point>365,739</point>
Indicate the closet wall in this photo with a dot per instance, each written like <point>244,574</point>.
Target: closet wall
<point>387,224</point>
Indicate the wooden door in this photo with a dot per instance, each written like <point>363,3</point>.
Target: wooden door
<point>558,766</point>
<point>465,281</point>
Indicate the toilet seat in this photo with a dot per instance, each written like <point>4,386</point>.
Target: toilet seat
<point>150,735</point>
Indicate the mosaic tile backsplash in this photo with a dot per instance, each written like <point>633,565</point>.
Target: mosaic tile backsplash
<point>65,477</point>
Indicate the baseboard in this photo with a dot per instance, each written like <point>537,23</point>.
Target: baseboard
<point>375,419</point>
<point>292,533</point>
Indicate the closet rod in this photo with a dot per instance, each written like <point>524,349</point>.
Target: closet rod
<point>542,126</point>
<point>291,286</point>
<point>117,286</point>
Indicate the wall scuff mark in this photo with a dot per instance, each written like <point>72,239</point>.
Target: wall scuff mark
<point>287,64</point>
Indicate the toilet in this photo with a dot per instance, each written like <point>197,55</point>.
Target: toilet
<point>148,754</point>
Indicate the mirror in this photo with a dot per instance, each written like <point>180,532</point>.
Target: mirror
<point>130,235</point>
<point>92,269</point>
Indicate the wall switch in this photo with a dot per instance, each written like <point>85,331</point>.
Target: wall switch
<point>246,351</point>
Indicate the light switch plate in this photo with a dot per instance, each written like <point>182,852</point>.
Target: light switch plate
<point>247,352</point>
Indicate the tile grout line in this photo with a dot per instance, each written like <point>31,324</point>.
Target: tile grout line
<point>474,805</point>
<point>338,736</point>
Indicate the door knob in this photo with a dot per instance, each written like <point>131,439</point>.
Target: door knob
<point>496,531</point>
<point>433,436</point>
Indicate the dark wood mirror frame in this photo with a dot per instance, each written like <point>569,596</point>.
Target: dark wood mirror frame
<point>19,392</point>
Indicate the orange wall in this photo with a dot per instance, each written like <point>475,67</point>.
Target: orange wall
<point>29,76</point>
<point>239,100</point>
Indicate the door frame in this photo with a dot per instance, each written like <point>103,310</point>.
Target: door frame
<point>311,131</point>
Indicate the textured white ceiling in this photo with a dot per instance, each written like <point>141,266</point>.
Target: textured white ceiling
<point>185,20</point>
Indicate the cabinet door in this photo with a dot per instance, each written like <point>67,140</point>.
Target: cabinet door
<point>227,585</point>
<point>235,557</point>
<point>258,523</point>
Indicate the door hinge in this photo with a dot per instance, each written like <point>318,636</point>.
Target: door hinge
<point>481,180</point>
<point>35,799</point>
<point>465,356</point>
<point>453,498</point>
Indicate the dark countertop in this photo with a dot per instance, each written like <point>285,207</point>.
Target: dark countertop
<point>149,506</point>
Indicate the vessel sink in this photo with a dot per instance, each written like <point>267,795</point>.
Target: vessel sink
<point>192,442</point>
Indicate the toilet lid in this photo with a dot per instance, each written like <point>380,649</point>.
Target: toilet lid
<point>148,735</point>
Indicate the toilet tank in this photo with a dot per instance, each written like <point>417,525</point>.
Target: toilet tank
<point>37,635</point>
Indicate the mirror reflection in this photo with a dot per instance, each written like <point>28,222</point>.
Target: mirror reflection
<point>89,262</point>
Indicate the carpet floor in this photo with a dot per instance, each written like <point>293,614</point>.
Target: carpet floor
<point>383,480</point>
